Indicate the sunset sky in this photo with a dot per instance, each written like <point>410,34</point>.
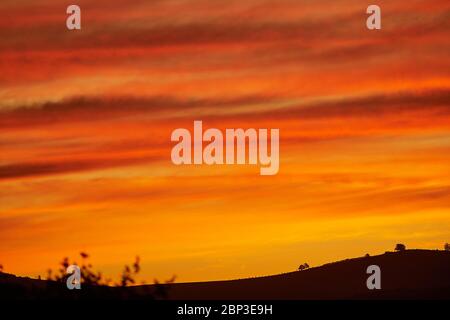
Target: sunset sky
<point>86,118</point>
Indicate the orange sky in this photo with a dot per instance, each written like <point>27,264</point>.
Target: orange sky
<point>86,118</point>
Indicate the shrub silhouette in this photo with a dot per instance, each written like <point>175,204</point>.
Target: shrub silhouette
<point>128,273</point>
<point>400,247</point>
<point>88,275</point>
<point>92,279</point>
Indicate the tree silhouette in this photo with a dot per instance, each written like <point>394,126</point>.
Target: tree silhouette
<point>400,247</point>
<point>303,267</point>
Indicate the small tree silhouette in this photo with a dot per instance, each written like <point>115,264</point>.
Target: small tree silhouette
<point>400,247</point>
<point>447,247</point>
<point>303,267</point>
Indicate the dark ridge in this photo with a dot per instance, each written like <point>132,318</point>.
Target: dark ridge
<point>410,274</point>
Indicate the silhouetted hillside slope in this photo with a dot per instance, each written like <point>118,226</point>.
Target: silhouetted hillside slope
<point>412,274</point>
<point>409,274</point>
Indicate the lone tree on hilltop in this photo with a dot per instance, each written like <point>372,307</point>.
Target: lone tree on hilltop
<point>303,267</point>
<point>400,247</point>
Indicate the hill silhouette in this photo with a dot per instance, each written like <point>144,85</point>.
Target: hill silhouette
<point>410,274</point>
